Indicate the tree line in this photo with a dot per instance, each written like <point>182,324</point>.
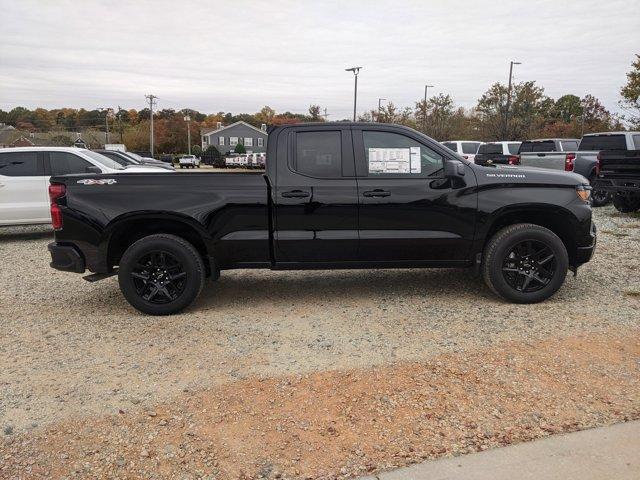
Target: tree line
<point>531,114</point>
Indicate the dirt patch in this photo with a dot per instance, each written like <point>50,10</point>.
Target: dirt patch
<point>346,423</point>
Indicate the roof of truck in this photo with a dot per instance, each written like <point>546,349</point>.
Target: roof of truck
<point>610,133</point>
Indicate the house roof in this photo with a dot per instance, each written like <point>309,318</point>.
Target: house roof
<point>216,130</point>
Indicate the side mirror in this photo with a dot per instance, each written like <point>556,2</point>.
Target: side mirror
<point>453,169</point>
<point>93,169</point>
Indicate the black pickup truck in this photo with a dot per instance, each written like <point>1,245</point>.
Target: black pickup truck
<point>334,195</point>
<point>619,174</point>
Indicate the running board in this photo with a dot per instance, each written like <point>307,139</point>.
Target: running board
<point>94,277</point>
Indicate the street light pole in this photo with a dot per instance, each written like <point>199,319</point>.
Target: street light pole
<point>506,113</point>
<point>187,119</point>
<point>151,99</point>
<point>106,124</point>
<point>355,71</point>
<point>380,107</point>
<point>424,120</point>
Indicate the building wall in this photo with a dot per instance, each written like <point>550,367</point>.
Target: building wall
<point>239,131</point>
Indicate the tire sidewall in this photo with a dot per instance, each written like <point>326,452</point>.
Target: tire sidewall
<point>506,243</point>
<point>191,263</point>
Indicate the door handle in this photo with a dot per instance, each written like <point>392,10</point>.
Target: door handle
<point>376,193</point>
<point>295,194</point>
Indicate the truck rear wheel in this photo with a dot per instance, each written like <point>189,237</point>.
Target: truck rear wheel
<point>161,274</point>
<point>626,203</point>
<point>599,198</point>
<point>525,263</point>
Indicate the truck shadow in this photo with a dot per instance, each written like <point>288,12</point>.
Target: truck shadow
<point>237,289</point>
<point>35,232</point>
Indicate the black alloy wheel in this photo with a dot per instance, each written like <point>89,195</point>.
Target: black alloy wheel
<point>529,266</point>
<point>159,277</point>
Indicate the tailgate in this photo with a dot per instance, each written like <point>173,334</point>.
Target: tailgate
<point>620,161</point>
<point>551,160</point>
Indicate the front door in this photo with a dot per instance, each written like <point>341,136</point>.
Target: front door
<point>408,211</point>
<point>316,197</point>
<point>23,189</point>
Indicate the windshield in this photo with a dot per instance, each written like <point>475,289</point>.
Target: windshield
<point>134,156</point>
<point>107,162</point>
<point>490,148</point>
<point>544,146</point>
<point>603,142</point>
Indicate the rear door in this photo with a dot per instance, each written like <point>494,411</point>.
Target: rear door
<point>316,198</point>
<point>23,188</point>
<point>408,211</point>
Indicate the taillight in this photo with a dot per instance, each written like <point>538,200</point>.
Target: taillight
<point>514,159</point>
<point>598,163</point>
<point>56,191</point>
<point>568,162</point>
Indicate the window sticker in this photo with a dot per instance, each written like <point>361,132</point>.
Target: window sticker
<point>390,160</point>
<point>416,164</point>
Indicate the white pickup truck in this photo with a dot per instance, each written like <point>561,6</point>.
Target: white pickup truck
<point>189,161</point>
<point>25,172</point>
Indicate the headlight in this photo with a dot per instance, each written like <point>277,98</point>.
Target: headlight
<point>584,192</point>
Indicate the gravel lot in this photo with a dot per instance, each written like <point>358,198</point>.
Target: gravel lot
<point>74,354</point>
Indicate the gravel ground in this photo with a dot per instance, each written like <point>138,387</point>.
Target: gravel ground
<point>72,350</point>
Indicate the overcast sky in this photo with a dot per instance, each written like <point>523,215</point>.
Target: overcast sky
<point>240,55</point>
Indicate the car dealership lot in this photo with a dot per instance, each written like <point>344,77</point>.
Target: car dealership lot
<point>307,359</point>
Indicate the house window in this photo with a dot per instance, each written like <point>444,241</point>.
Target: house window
<point>205,140</point>
<point>261,142</point>
<point>220,140</point>
<point>233,141</point>
<point>248,142</point>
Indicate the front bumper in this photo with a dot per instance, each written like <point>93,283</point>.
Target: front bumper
<point>66,258</point>
<point>584,254</point>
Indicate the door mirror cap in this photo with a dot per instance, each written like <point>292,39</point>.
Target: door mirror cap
<point>453,169</point>
<point>93,169</point>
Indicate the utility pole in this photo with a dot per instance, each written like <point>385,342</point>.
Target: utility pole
<point>187,119</point>
<point>355,71</point>
<point>120,123</point>
<point>506,113</point>
<point>326,115</point>
<point>106,111</point>
<point>424,120</point>
<point>380,106</point>
<point>152,101</point>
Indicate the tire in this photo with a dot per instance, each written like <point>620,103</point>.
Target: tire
<point>152,288</point>
<point>599,198</point>
<point>504,273</point>
<point>625,203</point>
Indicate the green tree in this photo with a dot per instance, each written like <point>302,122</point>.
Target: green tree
<point>213,156</point>
<point>631,95</point>
<point>240,148</point>
<point>314,113</point>
<point>567,108</point>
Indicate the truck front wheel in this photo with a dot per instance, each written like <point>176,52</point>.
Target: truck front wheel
<point>626,203</point>
<point>525,263</point>
<point>161,274</point>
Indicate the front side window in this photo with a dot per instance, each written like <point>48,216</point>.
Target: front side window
<point>261,142</point>
<point>63,163</point>
<point>394,155</point>
<point>20,164</point>
<point>233,141</point>
<point>318,154</point>
<point>248,142</point>
<point>470,148</point>
<point>220,140</point>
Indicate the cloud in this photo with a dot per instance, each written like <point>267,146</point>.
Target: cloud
<point>240,55</point>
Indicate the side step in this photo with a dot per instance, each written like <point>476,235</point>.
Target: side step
<point>94,277</point>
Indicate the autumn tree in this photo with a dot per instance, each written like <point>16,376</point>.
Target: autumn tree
<point>630,93</point>
<point>314,112</point>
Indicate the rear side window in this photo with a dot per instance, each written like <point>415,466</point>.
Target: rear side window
<point>394,155</point>
<point>569,146</point>
<point>603,142</point>
<point>63,163</point>
<point>513,148</point>
<point>20,164</point>
<point>544,146</point>
<point>318,154</point>
<point>470,148</point>
<point>451,146</point>
<point>488,148</point>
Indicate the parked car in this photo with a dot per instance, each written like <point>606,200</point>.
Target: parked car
<point>334,195</point>
<point>166,158</point>
<point>466,148</point>
<point>127,160</point>
<point>502,153</point>
<point>24,178</point>
<point>619,174</point>
<point>189,161</point>
<point>562,154</point>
